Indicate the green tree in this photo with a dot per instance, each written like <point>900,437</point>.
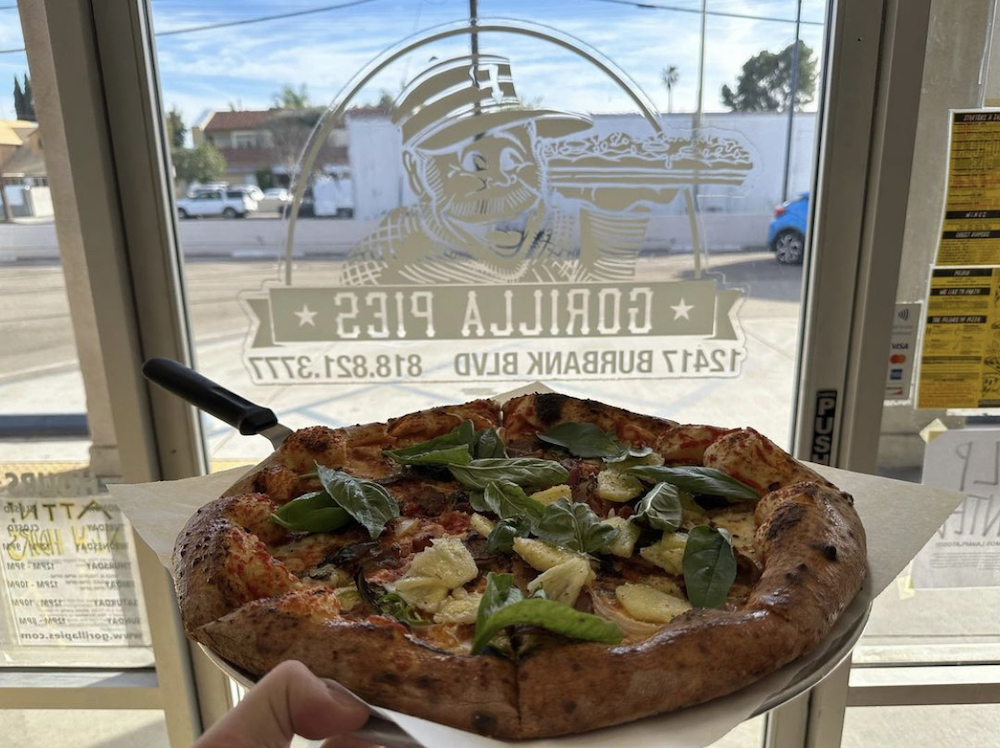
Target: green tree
<point>670,75</point>
<point>18,100</point>
<point>201,164</point>
<point>765,85</point>
<point>289,98</point>
<point>29,101</point>
<point>176,130</point>
<point>289,131</point>
<point>265,179</point>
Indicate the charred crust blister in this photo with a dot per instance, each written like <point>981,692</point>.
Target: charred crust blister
<point>785,517</point>
<point>549,407</point>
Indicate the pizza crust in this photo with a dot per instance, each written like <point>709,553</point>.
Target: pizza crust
<point>810,541</point>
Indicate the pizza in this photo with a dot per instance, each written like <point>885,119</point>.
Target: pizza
<point>549,566</point>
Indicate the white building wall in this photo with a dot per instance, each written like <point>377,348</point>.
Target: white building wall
<point>376,160</point>
<point>380,180</point>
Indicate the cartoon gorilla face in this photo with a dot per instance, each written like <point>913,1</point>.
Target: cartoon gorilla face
<point>485,190</point>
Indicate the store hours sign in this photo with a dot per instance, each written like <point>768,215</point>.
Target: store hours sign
<point>67,565</point>
<point>514,249</point>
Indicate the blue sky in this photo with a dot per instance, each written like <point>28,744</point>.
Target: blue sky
<point>246,65</point>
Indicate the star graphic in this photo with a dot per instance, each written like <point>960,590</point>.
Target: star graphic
<point>681,310</point>
<point>306,316</point>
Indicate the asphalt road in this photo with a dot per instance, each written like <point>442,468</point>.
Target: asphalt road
<point>38,368</point>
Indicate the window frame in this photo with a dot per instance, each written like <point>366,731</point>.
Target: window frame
<point>104,51</point>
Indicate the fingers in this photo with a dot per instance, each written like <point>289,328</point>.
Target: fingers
<point>288,701</point>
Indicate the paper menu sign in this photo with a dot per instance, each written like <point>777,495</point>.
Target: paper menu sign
<point>960,354</point>
<point>899,518</point>
<point>970,227</point>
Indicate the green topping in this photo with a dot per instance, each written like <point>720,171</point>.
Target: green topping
<point>573,526</point>
<point>524,471</point>
<point>583,440</point>
<point>366,501</point>
<point>388,604</point>
<point>452,447</point>
<point>508,500</point>
<point>587,440</point>
<point>311,512</point>
<point>488,444</point>
<point>660,508</point>
<point>709,566</point>
<point>696,480</point>
<point>458,447</point>
<point>502,537</point>
<point>503,605</point>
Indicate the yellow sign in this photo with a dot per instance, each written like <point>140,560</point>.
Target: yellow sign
<point>970,230</point>
<point>960,358</point>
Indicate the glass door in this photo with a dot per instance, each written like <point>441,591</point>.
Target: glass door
<point>391,205</point>
<point>925,668</point>
<point>382,206</point>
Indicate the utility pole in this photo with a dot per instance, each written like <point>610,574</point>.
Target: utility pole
<point>791,102</point>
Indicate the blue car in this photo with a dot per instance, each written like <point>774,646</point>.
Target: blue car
<point>786,234</point>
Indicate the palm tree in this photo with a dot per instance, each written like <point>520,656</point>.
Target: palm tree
<point>669,76</point>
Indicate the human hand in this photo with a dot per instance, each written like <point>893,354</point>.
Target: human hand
<point>289,701</point>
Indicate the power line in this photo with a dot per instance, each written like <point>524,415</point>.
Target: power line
<point>241,22</point>
<point>698,12</point>
<point>261,19</point>
<point>328,8</point>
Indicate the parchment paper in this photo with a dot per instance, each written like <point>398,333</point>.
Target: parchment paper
<point>898,517</point>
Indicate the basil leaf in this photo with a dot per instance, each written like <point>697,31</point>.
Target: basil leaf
<point>488,444</point>
<point>503,605</point>
<point>507,500</point>
<point>524,471</point>
<point>455,446</point>
<point>660,508</point>
<point>500,591</point>
<point>585,440</point>
<point>709,566</point>
<point>457,455</point>
<point>573,526</point>
<point>501,540</point>
<point>633,453</point>
<point>696,480</point>
<point>478,502</point>
<point>366,501</point>
<point>311,512</point>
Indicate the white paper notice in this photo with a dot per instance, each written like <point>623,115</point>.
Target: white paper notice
<point>965,551</point>
<point>67,566</point>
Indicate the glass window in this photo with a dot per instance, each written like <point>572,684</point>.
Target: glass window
<point>907,625</point>
<point>610,229</point>
<point>71,592</point>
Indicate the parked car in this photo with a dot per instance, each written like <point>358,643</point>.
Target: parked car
<point>786,234</point>
<point>274,200</point>
<point>307,209</point>
<point>231,203</point>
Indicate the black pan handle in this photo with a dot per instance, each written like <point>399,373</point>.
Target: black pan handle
<point>208,396</point>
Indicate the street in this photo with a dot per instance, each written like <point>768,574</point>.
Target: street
<point>39,359</point>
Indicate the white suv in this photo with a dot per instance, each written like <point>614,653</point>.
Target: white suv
<point>231,203</point>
